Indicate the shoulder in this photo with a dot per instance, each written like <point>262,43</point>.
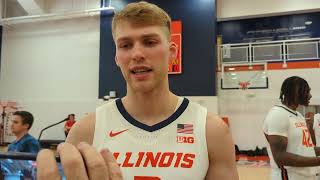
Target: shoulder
<point>109,105</point>
<point>194,107</point>
<point>216,129</point>
<point>218,136</point>
<point>83,130</point>
<point>278,110</point>
<point>276,113</point>
<point>221,149</point>
<point>30,139</point>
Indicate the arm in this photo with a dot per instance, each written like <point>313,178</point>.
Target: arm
<point>222,163</point>
<point>313,137</point>
<point>278,145</point>
<point>34,146</point>
<point>83,130</point>
<point>67,128</point>
<point>31,146</point>
<point>311,125</point>
<point>317,150</point>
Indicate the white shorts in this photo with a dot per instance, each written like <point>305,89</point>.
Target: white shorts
<point>277,175</point>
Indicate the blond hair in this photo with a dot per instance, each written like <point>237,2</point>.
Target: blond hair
<point>142,14</point>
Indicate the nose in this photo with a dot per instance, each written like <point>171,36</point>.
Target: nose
<point>137,52</point>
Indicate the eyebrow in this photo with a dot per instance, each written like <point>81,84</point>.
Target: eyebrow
<point>151,35</point>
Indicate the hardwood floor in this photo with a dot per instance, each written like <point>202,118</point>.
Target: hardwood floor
<point>253,173</point>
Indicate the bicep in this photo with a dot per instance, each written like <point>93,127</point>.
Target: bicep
<point>82,131</point>
<point>278,145</point>
<point>221,150</point>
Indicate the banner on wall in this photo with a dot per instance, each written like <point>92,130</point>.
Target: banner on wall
<point>7,108</point>
<point>175,65</point>
<point>286,27</point>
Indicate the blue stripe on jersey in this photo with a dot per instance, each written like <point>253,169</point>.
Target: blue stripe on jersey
<point>157,126</point>
<point>287,109</point>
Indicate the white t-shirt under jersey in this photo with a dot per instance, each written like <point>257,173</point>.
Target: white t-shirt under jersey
<point>174,149</point>
<point>283,121</point>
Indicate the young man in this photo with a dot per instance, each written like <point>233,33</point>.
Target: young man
<point>316,128</point>
<point>21,123</point>
<point>315,119</point>
<point>152,133</point>
<point>291,150</point>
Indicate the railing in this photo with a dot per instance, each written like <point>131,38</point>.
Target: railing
<point>271,51</point>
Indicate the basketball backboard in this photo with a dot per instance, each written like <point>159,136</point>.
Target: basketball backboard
<point>252,76</point>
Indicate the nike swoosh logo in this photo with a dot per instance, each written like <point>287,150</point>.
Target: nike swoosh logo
<point>113,134</point>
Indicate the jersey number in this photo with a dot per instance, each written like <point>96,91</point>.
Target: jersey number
<point>146,178</point>
<point>306,138</point>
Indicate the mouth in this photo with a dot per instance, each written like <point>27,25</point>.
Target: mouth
<point>141,70</point>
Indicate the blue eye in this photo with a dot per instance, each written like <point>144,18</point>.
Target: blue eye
<point>124,46</point>
<point>150,42</point>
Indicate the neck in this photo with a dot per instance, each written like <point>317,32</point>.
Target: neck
<point>151,107</point>
<point>20,135</point>
<point>292,106</point>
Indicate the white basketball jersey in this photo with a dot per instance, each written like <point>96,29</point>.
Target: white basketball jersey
<point>174,149</point>
<point>316,128</point>
<point>285,122</point>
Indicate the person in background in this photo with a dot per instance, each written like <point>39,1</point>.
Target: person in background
<point>315,119</point>
<point>291,150</point>
<point>21,124</point>
<point>315,132</point>
<point>70,122</point>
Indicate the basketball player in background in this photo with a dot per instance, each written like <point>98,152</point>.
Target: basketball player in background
<point>291,151</point>
<point>152,133</point>
<point>315,120</point>
<point>316,128</point>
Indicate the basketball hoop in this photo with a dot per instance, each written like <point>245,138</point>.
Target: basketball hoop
<point>244,85</point>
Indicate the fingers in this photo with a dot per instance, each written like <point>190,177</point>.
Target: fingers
<point>78,163</point>
<point>47,168</point>
<point>96,167</point>
<point>72,162</point>
<point>113,167</point>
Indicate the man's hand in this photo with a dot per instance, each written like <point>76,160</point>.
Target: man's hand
<point>78,163</point>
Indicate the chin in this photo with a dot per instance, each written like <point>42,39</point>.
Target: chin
<point>142,88</point>
<point>306,104</point>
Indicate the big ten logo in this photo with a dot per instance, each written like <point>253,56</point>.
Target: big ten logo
<point>185,139</point>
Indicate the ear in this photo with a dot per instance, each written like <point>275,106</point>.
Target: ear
<point>116,60</point>
<point>26,125</point>
<point>173,51</point>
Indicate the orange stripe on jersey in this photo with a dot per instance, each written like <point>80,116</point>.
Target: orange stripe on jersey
<point>284,174</point>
